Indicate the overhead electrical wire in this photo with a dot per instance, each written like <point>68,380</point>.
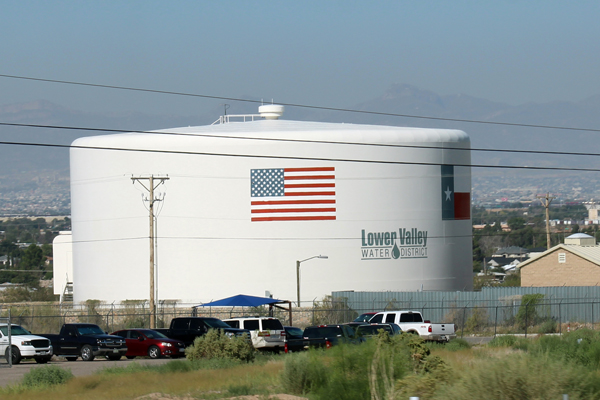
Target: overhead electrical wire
<point>195,134</point>
<point>348,110</point>
<point>264,156</point>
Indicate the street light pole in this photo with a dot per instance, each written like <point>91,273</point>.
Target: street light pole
<point>298,274</point>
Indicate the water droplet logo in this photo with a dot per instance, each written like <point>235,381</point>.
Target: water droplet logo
<point>395,252</point>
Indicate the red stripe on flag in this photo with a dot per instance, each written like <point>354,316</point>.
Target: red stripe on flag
<point>314,218</point>
<point>314,169</point>
<point>304,177</point>
<point>291,210</point>
<point>310,194</point>
<point>284,202</point>
<point>462,205</point>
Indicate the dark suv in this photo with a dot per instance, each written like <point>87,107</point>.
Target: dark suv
<point>187,329</point>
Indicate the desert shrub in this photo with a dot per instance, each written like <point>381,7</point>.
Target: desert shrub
<point>46,376</point>
<point>135,314</point>
<point>348,372</point>
<point>581,347</point>
<point>92,316</point>
<point>369,370</point>
<point>457,344</point>
<point>477,320</point>
<point>302,372</point>
<point>530,310</point>
<point>216,344</point>
<point>503,341</point>
<point>332,311</point>
<point>521,376</point>
<point>547,326</point>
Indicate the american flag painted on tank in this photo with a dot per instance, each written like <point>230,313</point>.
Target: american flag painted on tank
<point>292,194</point>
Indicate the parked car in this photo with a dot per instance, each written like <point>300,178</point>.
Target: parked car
<point>294,341</point>
<point>24,345</point>
<point>413,322</point>
<point>371,330</point>
<point>365,317</point>
<point>187,329</point>
<point>146,342</point>
<point>267,333</point>
<point>329,335</point>
<point>86,341</point>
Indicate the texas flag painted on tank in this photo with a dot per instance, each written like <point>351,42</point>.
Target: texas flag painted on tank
<point>456,196</point>
<point>292,194</point>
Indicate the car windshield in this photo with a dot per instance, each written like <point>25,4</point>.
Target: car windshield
<point>15,330</point>
<point>216,323</point>
<point>88,330</point>
<point>294,331</point>
<point>364,317</point>
<point>153,334</point>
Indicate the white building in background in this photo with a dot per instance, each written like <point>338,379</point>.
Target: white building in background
<point>62,248</point>
<point>389,206</point>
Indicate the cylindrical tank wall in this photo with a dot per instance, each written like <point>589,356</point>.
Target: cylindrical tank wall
<point>389,233</point>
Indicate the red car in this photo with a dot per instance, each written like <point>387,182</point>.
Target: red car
<point>146,342</point>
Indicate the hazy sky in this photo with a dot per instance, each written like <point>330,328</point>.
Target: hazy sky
<point>330,53</point>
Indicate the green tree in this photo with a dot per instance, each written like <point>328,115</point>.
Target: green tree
<point>32,257</point>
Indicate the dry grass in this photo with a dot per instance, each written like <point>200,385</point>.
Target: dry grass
<point>210,384</point>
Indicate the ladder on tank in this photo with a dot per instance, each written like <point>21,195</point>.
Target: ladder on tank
<point>67,295</point>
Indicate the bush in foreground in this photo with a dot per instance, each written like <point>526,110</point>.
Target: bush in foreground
<point>46,376</point>
<point>216,344</point>
<point>520,376</point>
<point>370,370</point>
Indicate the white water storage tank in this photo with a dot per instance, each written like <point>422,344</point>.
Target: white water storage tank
<point>388,206</point>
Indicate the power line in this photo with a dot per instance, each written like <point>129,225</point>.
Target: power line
<point>539,231</point>
<point>195,134</point>
<point>327,159</point>
<point>348,110</point>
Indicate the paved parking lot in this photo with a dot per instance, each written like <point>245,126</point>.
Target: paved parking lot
<point>79,368</point>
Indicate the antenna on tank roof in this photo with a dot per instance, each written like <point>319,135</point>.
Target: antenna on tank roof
<point>226,107</point>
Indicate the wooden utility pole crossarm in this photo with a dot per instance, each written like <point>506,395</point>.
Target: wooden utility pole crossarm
<point>150,188</point>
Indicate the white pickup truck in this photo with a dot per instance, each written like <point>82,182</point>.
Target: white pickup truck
<point>24,345</point>
<point>413,322</point>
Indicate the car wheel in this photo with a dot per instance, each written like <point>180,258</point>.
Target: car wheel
<point>154,352</point>
<point>16,355</point>
<point>86,353</point>
<point>130,357</point>
<point>71,358</point>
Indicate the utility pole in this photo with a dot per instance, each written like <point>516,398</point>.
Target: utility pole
<point>150,188</point>
<point>546,200</point>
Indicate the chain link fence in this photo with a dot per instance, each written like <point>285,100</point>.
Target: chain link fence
<point>530,314</point>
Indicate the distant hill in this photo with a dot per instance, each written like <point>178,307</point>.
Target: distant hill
<point>398,99</point>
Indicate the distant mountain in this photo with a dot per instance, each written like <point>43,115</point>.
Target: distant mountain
<point>399,99</point>
<point>19,158</point>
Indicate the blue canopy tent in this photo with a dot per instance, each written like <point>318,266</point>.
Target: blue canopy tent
<point>242,300</point>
